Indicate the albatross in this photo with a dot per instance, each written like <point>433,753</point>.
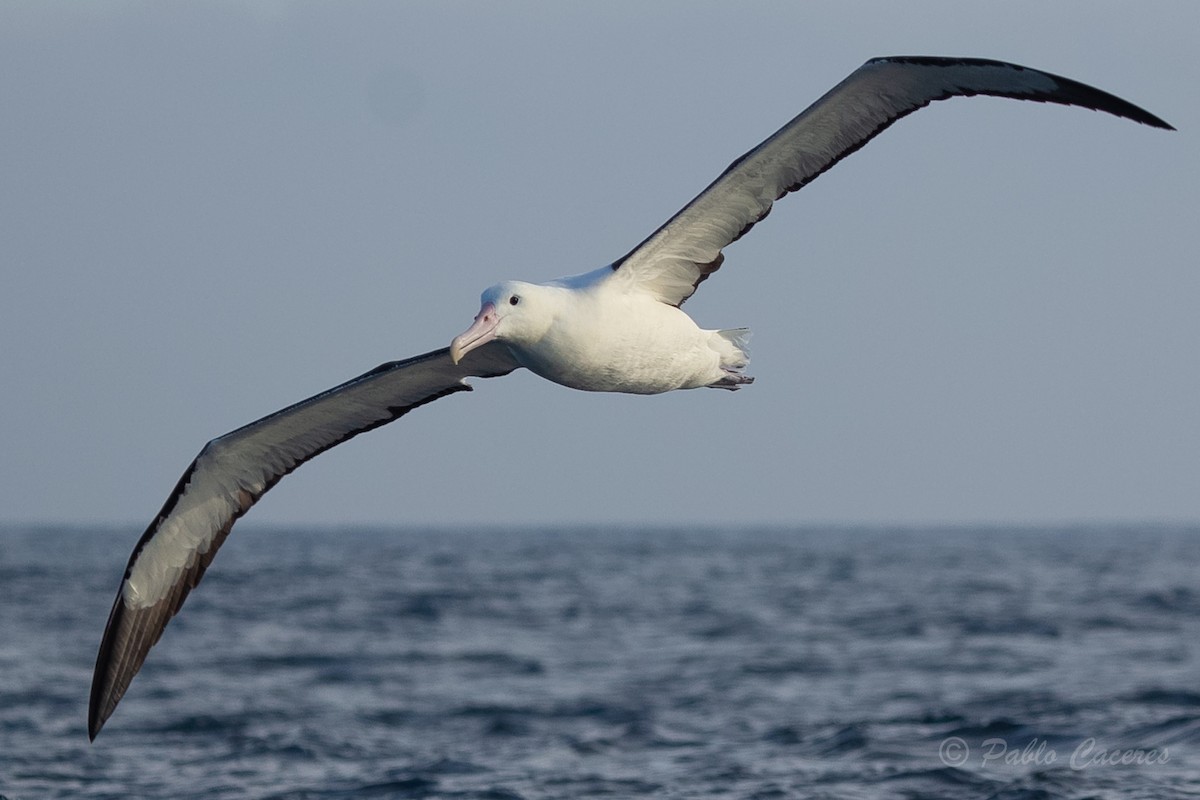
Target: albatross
<point>619,328</point>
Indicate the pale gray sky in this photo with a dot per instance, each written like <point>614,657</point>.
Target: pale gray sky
<point>213,210</point>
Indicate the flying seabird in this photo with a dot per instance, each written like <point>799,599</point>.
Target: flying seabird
<point>616,329</point>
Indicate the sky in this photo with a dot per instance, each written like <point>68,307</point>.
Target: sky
<point>212,210</point>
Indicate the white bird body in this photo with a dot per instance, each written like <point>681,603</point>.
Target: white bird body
<point>599,332</point>
<point>615,329</point>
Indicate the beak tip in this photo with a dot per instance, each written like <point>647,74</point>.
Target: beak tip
<point>482,331</point>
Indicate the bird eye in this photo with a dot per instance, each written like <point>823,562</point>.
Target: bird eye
<point>512,301</point>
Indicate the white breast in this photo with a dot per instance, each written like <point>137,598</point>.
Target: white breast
<point>607,339</point>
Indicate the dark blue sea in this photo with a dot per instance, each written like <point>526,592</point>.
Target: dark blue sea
<point>619,663</point>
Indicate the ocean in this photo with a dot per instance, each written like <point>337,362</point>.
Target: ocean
<point>619,663</point>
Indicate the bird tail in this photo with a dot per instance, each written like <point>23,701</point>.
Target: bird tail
<point>733,345</point>
<point>735,354</point>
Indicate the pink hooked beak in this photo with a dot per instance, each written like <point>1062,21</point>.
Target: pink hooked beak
<point>482,331</point>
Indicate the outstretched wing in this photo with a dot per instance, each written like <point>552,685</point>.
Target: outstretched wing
<point>230,474</point>
<point>672,262</point>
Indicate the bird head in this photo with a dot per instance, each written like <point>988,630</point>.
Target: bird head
<point>512,312</point>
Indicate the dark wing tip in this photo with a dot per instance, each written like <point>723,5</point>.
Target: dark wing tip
<point>128,637</point>
<point>1070,92</point>
<point>1080,94</point>
<point>101,688</point>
